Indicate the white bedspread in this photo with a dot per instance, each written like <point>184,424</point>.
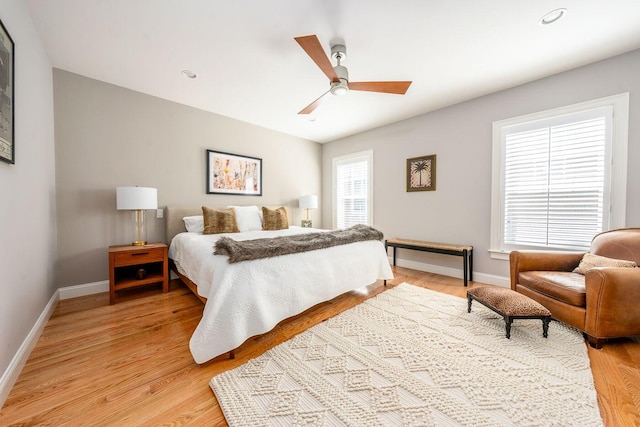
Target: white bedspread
<point>251,297</point>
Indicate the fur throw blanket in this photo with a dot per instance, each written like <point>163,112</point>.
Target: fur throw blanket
<point>274,246</point>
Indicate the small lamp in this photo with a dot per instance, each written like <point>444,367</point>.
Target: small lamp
<point>137,199</point>
<point>308,202</point>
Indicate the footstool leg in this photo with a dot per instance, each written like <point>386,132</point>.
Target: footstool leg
<point>469,299</point>
<point>545,325</point>
<point>507,325</point>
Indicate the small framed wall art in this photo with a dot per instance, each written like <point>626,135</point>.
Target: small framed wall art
<point>7,143</point>
<point>421,173</point>
<point>233,174</point>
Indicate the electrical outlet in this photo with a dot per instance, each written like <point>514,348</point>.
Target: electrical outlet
<point>159,213</point>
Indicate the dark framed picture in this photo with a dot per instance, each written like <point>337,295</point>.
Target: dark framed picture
<point>7,137</point>
<point>233,174</point>
<point>421,173</point>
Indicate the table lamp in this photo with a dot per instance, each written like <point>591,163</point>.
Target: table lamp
<point>137,199</point>
<point>308,202</point>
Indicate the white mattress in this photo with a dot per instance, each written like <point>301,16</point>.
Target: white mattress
<point>249,298</point>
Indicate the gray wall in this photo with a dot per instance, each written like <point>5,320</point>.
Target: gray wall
<point>459,210</point>
<point>27,206</point>
<point>108,136</point>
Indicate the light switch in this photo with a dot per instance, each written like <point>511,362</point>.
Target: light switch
<point>159,213</point>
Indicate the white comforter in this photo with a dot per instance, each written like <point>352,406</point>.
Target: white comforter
<point>249,298</point>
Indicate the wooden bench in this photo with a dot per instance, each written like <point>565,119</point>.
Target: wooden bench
<point>465,251</point>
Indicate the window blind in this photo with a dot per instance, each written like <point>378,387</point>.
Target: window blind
<point>352,191</point>
<point>555,180</point>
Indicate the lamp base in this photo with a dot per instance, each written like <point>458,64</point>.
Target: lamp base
<point>306,223</point>
<point>139,243</point>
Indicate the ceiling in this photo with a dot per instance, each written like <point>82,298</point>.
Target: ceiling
<point>250,68</point>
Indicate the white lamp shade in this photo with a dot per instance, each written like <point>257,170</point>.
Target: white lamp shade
<point>135,198</point>
<point>308,202</point>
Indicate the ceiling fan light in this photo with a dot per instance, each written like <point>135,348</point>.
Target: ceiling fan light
<point>339,88</point>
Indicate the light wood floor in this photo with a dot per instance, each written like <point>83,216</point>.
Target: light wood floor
<point>129,364</point>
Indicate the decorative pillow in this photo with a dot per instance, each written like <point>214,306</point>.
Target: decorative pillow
<point>194,224</point>
<point>274,219</point>
<point>248,218</point>
<point>219,221</point>
<point>590,261</point>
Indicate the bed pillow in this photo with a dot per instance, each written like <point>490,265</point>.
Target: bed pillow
<point>194,224</point>
<point>274,219</point>
<point>590,261</point>
<point>219,221</point>
<point>248,218</point>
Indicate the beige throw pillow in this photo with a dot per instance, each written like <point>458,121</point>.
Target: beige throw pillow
<point>590,261</point>
<point>219,221</point>
<point>274,219</point>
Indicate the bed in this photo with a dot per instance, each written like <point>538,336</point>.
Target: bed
<point>249,298</point>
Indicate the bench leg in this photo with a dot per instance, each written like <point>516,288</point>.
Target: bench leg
<point>545,326</point>
<point>465,266</point>
<point>471,265</point>
<point>507,325</point>
<point>469,300</point>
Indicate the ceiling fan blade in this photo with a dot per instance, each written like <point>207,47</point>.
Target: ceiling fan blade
<point>314,49</point>
<point>399,88</point>
<point>309,108</point>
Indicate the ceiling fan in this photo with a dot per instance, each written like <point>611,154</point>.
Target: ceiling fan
<point>339,75</point>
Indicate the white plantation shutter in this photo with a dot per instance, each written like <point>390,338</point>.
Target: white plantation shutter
<point>352,187</point>
<point>556,180</point>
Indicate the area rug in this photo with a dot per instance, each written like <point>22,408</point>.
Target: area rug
<point>415,357</point>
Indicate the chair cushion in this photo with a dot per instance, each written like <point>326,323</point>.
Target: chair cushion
<point>563,286</point>
<point>590,261</point>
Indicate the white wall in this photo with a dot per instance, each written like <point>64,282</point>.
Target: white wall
<point>108,136</point>
<point>27,193</point>
<point>460,135</point>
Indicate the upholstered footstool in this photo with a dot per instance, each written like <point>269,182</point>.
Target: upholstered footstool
<point>510,305</point>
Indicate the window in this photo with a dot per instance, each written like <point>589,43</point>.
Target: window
<point>559,177</point>
<point>352,189</point>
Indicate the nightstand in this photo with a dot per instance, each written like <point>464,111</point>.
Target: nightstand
<point>133,266</point>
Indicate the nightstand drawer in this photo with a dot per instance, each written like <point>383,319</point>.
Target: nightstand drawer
<point>139,257</point>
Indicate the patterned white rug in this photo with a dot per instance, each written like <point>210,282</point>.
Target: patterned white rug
<point>414,357</point>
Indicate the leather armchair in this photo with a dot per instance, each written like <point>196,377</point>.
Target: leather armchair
<point>603,303</point>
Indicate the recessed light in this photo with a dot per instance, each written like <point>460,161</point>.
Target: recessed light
<point>311,119</point>
<point>553,16</point>
<point>189,74</point>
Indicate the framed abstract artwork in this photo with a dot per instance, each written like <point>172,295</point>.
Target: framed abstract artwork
<point>233,174</point>
<point>421,173</point>
<point>7,137</point>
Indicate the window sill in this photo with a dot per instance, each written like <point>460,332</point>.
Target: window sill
<point>504,255</point>
<point>498,254</point>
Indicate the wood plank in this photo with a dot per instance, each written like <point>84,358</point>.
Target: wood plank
<point>129,364</point>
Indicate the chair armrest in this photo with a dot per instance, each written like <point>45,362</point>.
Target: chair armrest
<point>541,261</point>
<point>613,294</point>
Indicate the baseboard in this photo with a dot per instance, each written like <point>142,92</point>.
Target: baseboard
<point>84,289</point>
<point>10,375</point>
<point>453,272</point>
